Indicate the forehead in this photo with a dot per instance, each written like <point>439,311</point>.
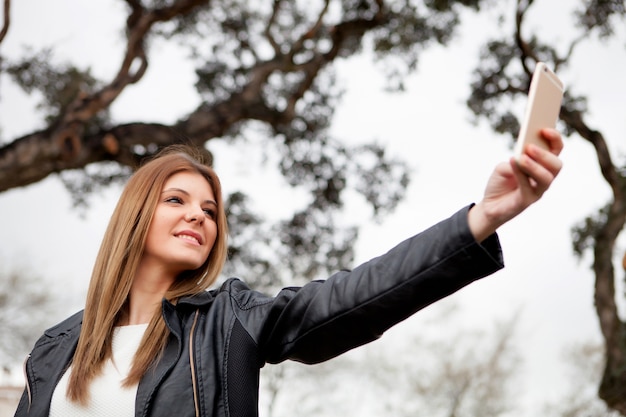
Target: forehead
<point>190,182</point>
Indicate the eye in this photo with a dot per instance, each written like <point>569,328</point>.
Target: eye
<point>175,200</point>
<point>210,212</point>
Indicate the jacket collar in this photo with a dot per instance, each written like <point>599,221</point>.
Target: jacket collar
<point>201,299</point>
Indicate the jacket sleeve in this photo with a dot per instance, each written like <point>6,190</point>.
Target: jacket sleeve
<point>326,318</point>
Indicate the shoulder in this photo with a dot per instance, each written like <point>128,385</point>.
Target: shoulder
<point>68,325</point>
<point>231,290</point>
<point>242,295</point>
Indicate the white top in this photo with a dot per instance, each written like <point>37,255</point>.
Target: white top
<point>107,396</point>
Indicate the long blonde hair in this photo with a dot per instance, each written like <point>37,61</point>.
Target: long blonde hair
<point>116,264</point>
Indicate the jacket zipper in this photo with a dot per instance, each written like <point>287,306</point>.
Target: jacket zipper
<point>196,402</point>
<point>27,381</point>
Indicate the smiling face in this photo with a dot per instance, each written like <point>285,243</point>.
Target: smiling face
<point>183,228</point>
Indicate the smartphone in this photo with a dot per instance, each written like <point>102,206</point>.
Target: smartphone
<point>542,109</point>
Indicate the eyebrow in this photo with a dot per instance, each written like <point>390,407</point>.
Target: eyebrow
<point>180,190</point>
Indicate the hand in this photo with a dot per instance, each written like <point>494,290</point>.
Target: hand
<point>515,185</point>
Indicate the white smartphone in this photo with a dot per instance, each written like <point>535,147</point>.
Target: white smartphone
<point>542,109</point>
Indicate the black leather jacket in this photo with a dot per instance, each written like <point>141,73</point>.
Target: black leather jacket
<point>221,338</point>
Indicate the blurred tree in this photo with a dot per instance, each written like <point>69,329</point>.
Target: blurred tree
<point>503,74</point>
<point>474,375</point>
<point>267,68</point>
<point>470,373</point>
<point>585,363</point>
<point>261,67</point>
<point>26,305</point>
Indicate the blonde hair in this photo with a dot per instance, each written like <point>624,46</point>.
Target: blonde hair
<point>117,261</point>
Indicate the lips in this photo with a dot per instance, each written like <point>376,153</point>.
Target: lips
<point>190,236</point>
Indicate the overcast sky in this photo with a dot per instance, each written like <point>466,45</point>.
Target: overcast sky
<point>428,126</point>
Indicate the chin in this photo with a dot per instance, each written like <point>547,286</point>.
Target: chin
<point>189,263</point>
<point>187,267</point>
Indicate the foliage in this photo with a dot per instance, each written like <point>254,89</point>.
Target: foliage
<point>587,231</point>
<point>470,373</point>
<point>502,76</point>
<point>263,70</point>
<point>58,86</point>
<point>585,364</point>
<point>25,306</point>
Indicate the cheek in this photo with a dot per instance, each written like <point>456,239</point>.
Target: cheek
<point>154,230</point>
<point>156,224</point>
<point>211,236</point>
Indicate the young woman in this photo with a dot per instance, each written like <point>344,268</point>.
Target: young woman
<point>153,341</point>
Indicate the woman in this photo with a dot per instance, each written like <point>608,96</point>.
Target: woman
<point>153,341</point>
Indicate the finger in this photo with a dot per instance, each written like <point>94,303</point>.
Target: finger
<point>538,177</point>
<point>523,178</point>
<point>545,158</point>
<point>504,170</point>
<point>554,140</point>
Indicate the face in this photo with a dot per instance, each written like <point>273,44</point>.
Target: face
<point>183,229</point>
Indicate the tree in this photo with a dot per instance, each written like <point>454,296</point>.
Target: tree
<point>585,364</point>
<point>504,74</point>
<point>25,305</point>
<point>267,70</point>
<point>471,373</point>
<point>261,69</point>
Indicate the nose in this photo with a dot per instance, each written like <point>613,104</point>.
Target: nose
<point>195,215</point>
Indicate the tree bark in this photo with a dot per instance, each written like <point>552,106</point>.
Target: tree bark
<point>613,385</point>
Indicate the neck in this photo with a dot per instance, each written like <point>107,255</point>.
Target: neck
<point>146,293</point>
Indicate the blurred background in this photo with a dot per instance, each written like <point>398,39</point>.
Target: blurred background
<point>339,128</point>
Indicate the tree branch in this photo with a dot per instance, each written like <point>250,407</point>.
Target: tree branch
<point>612,328</point>
<point>61,145</point>
<point>138,25</point>
<point>312,32</point>
<point>7,19</point>
<point>33,157</point>
<point>614,378</point>
<point>524,47</point>
<point>268,27</point>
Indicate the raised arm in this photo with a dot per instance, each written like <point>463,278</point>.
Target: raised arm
<point>515,185</point>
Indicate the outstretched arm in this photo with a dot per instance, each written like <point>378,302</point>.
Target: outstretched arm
<point>515,185</point>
